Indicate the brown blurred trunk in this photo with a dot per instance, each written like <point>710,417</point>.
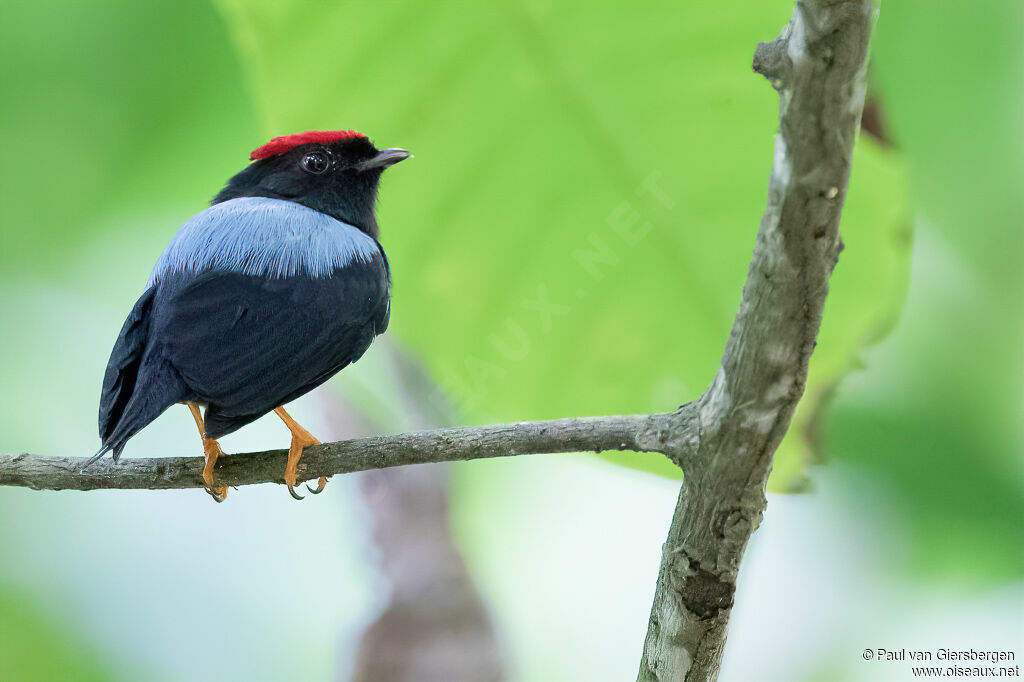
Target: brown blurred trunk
<point>435,627</point>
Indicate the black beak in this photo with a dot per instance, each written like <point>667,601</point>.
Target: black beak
<point>385,158</point>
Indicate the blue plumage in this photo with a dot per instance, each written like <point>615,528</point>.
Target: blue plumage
<point>263,237</point>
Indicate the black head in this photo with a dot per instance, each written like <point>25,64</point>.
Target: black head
<point>335,173</point>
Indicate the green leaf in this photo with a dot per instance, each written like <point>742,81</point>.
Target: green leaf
<point>936,420</point>
<point>112,109</point>
<point>574,232</point>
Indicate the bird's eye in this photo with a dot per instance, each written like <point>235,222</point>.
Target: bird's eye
<point>315,162</point>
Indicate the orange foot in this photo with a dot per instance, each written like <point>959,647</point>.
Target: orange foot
<point>301,438</point>
<point>211,451</point>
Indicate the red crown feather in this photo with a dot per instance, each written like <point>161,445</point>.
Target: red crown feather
<point>279,145</point>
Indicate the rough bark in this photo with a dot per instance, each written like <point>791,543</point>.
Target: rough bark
<point>818,66</point>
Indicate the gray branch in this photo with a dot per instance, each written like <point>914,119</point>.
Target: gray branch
<point>670,433</point>
<point>724,441</point>
<point>818,66</point>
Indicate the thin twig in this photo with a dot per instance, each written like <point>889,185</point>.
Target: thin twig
<point>667,433</point>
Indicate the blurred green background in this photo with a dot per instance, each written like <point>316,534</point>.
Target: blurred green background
<point>570,239</point>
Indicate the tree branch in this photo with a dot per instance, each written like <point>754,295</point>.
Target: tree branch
<point>672,434</point>
<point>818,67</point>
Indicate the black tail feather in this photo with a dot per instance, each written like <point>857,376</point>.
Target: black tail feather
<point>95,458</point>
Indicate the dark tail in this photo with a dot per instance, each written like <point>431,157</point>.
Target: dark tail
<point>138,385</point>
<point>95,458</point>
<point>122,373</point>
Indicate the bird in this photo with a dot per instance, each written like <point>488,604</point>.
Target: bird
<point>277,286</point>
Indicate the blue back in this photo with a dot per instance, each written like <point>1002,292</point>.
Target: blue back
<point>263,237</point>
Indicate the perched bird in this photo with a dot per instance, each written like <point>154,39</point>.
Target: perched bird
<point>258,299</point>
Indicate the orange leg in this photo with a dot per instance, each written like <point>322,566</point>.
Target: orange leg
<point>211,451</point>
<point>300,439</point>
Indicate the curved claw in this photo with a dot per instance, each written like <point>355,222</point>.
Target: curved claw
<point>291,491</point>
<point>320,485</point>
<point>218,494</point>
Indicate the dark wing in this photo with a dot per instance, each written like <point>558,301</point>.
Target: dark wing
<point>123,366</point>
<point>245,345</point>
